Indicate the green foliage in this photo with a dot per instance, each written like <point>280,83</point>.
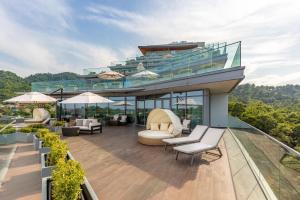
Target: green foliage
<point>8,130</point>
<point>59,123</point>
<point>66,179</point>
<point>58,151</point>
<point>26,130</point>
<point>274,110</point>
<point>49,139</point>
<point>10,83</point>
<point>51,77</point>
<point>42,132</point>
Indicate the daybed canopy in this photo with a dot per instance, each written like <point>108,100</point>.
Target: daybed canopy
<point>163,115</point>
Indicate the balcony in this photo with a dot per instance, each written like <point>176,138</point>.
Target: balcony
<point>179,66</point>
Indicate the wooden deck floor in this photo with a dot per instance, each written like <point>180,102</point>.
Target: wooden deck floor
<point>118,167</point>
<point>23,179</point>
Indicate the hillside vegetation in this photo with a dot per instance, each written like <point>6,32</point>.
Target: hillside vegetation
<point>51,77</point>
<point>10,83</point>
<point>274,110</point>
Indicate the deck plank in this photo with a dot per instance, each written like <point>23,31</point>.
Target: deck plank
<point>118,167</point>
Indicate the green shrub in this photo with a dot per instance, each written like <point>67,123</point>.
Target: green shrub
<point>58,151</point>
<point>26,130</point>
<point>38,126</point>
<point>41,132</point>
<point>8,130</point>
<point>66,180</point>
<point>49,139</point>
<point>59,123</point>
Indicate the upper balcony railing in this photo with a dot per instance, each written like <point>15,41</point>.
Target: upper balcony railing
<point>171,67</point>
<point>275,165</point>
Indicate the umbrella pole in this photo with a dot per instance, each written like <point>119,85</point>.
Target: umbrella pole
<point>85,111</point>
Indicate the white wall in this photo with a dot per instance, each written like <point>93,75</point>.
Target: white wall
<point>219,110</point>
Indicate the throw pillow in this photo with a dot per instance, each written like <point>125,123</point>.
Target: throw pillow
<point>154,127</point>
<point>171,129</point>
<point>79,122</point>
<point>164,126</point>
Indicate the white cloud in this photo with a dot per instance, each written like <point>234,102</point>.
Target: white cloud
<point>273,79</point>
<point>43,51</point>
<point>269,29</point>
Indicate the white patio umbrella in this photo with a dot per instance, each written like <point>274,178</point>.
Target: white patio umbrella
<point>145,74</point>
<point>31,97</point>
<point>86,98</point>
<point>110,75</point>
<point>123,103</point>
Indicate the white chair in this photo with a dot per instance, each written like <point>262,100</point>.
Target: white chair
<point>209,141</point>
<point>195,136</point>
<point>186,126</point>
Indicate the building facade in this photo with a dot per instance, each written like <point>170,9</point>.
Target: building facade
<point>192,79</point>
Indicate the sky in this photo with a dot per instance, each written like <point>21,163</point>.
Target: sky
<point>39,36</point>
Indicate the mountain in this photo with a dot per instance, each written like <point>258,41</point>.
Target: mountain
<point>51,77</point>
<point>10,83</point>
<point>275,95</point>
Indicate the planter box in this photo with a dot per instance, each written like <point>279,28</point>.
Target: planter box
<point>87,192</point>
<point>7,138</point>
<point>23,137</point>
<point>43,149</point>
<point>36,142</point>
<point>46,171</point>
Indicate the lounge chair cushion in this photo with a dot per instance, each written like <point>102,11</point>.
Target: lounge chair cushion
<point>171,129</point>
<point>154,127</point>
<point>164,126</point>
<point>193,148</point>
<point>180,140</point>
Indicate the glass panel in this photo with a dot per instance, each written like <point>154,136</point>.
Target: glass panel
<point>156,67</point>
<point>195,110</point>
<point>140,113</point>
<point>277,163</point>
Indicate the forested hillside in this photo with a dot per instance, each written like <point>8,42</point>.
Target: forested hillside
<point>51,77</point>
<point>10,83</point>
<point>274,110</point>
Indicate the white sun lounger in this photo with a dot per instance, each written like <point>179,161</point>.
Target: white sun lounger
<point>195,136</point>
<point>209,141</point>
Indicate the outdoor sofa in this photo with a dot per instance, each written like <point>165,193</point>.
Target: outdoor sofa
<point>118,120</point>
<point>88,125</point>
<point>161,124</point>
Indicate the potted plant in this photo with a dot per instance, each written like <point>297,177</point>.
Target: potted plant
<point>37,137</point>
<point>7,135</point>
<point>46,142</point>
<point>58,125</point>
<point>66,182</point>
<point>58,151</point>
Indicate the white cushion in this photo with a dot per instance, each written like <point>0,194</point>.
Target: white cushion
<point>154,134</point>
<point>79,122</point>
<point>154,126</point>
<point>164,126</point>
<point>123,118</point>
<point>115,118</point>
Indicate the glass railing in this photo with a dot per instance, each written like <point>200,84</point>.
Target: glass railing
<point>276,166</point>
<point>166,68</point>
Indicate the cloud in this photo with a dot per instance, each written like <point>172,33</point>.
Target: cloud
<point>274,79</point>
<point>269,30</point>
<point>36,50</point>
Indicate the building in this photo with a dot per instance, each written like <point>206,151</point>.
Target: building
<point>192,79</point>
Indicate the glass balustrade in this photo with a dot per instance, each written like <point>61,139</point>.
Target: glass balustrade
<point>163,68</point>
<point>277,164</point>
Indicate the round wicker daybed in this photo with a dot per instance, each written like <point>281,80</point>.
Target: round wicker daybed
<point>164,119</point>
